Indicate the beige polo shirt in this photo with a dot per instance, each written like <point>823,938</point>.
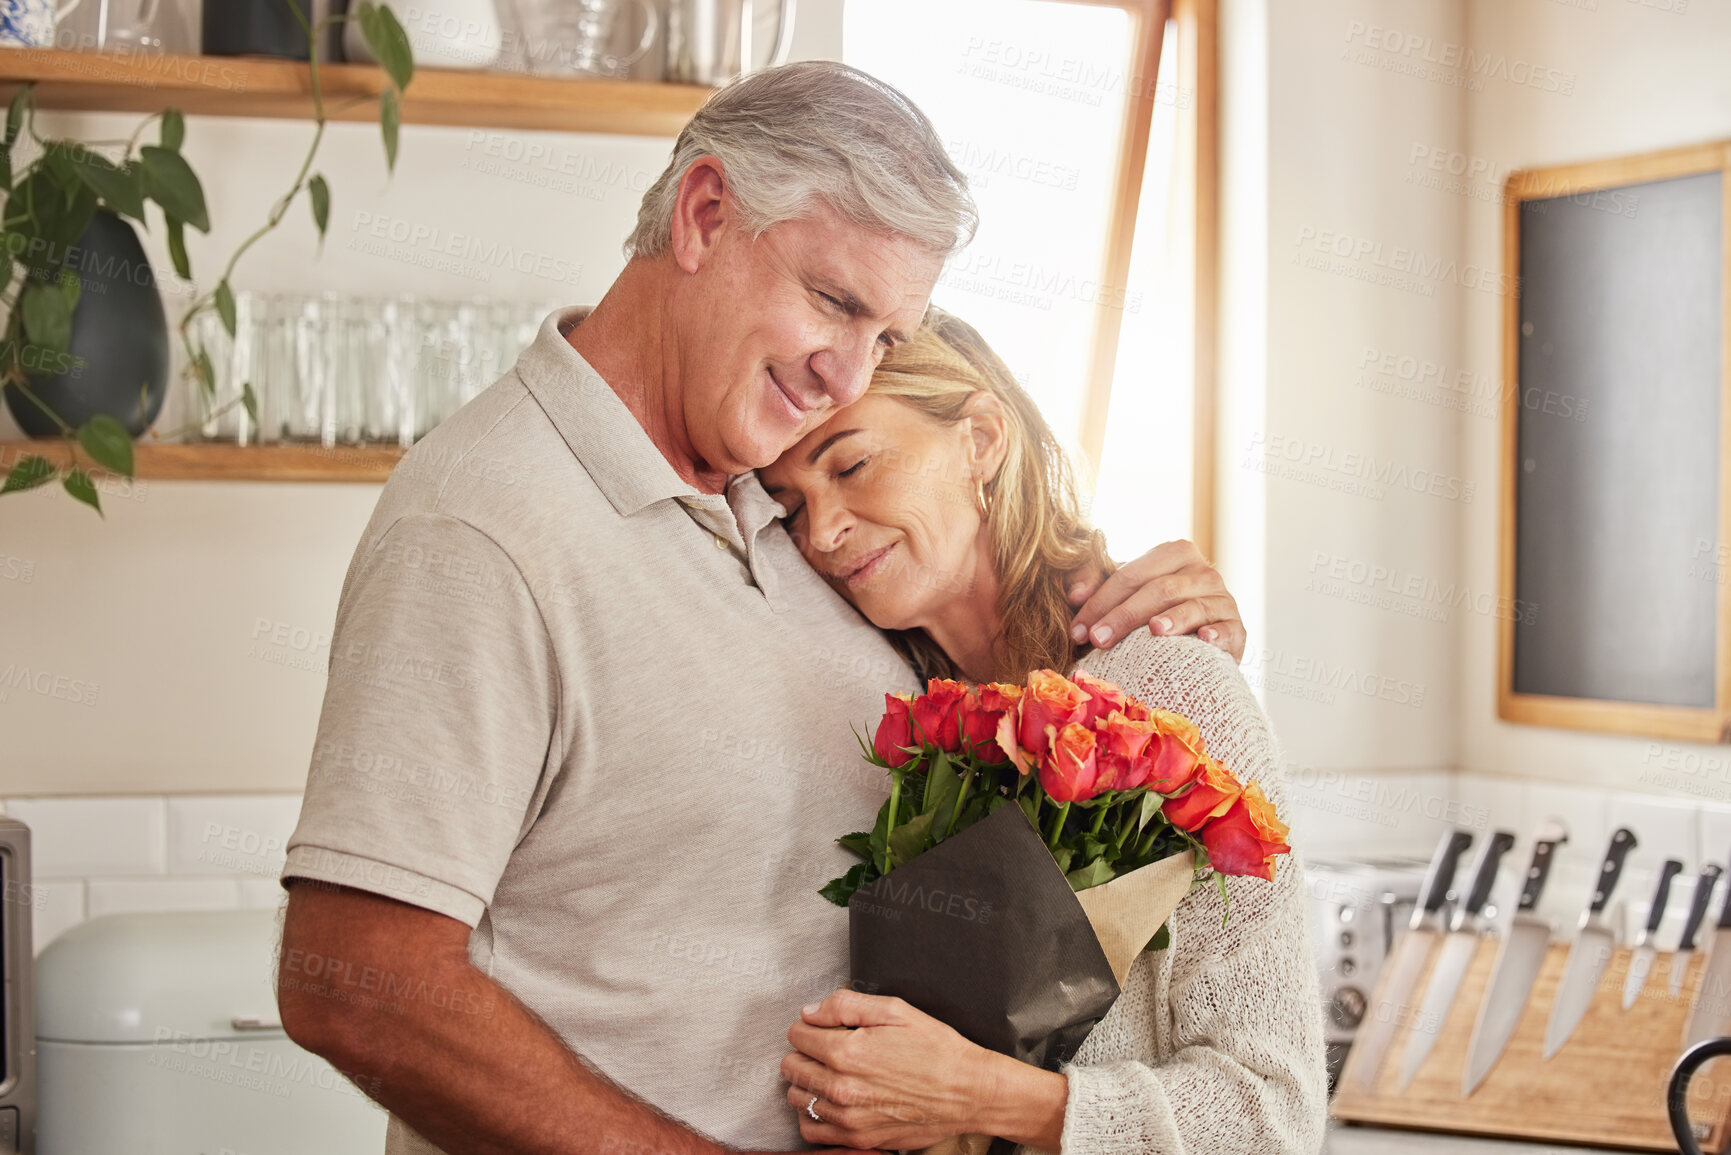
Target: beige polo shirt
<point>607,721</point>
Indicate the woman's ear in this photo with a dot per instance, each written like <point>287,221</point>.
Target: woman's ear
<point>988,434</point>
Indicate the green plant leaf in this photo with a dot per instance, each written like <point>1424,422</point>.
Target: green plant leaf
<point>1151,803</point>
<point>171,183</point>
<point>5,168</point>
<point>118,187</point>
<point>389,121</point>
<point>173,129</point>
<point>1092,874</point>
<point>15,113</point>
<point>320,194</point>
<point>225,306</point>
<point>388,43</point>
<point>840,890</point>
<point>79,485</point>
<point>912,838</point>
<point>249,402</point>
<point>177,248</point>
<point>205,372</point>
<point>859,843</point>
<point>108,443</point>
<point>47,316</point>
<point>30,472</point>
<point>1162,937</point>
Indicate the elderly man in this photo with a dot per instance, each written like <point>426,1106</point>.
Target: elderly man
<point>586,740</point>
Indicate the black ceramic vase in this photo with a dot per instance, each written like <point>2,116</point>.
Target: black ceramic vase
<point>119,332</point>
<point>255,28</point>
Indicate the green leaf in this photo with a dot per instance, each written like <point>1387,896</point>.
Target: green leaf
<point>15,113</point>
<point>5,168</point>
<point>225,306</point>
<point>912,838</point>
<point>118,187</point>
<point>1030,804</point>
<point>78,484</point>
<point>880,839</point>
<point>1093,874</point>
<point>30,472</point>
<point>108,443</point>
<point>249,401</point>
<point>71,288</point>
<point>1062,857</point>
<point>205,372</point>
<point>320,192</point>
<point>1151,803</point>
<point>173,129</point>
<point>840,890</point>
<point>171,183</point>
<point>390,117</point>
<point>388,43</point>
<point>177,249</point>
<point>47,317</point>
<point>859,843</point>
<point>1162,937</point>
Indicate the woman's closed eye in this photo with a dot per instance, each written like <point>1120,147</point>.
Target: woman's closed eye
<point>851,471</point>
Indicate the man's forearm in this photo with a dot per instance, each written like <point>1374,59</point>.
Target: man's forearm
<point>454,1055</point>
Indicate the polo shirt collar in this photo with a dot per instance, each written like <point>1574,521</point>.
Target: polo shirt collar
<point>602,433</point>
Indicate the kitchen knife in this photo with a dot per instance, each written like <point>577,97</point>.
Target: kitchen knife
<point>1591,950</point>
<point>1685,952</point>
<point>1641,962</point>
<point>1453,955</point>
<point>1518,961</point>
<point>1713,997</point>
<point>1406,962</point>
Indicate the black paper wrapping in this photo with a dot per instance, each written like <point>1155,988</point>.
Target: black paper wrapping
<point>983,932</point>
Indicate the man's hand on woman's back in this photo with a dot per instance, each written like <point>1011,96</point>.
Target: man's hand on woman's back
<point>1171,589</point>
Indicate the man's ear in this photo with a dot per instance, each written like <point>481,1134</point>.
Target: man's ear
<point>700,208</point>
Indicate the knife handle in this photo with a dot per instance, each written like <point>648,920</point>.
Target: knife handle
<point>1485,871</point>
<point>1704,884</point>
<point>1441,874</point>
<point>1622,842</point>
<point>1538,871</point>
<point>1725,914</point>
<point>1662,896</point>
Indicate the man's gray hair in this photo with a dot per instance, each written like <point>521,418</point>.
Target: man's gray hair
<point>792,137</point>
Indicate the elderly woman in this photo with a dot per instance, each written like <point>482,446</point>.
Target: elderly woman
<point>941,506</point>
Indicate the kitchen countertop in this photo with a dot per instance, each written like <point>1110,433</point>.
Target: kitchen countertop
<point>1352,1139</point>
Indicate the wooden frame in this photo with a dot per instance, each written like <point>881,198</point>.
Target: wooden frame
<point>1698,724</point>
<point>1197,24</point>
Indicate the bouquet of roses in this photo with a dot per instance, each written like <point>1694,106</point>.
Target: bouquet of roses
<point>1036,838</point>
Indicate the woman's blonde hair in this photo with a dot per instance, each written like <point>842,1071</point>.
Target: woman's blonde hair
<point>1033,514</point>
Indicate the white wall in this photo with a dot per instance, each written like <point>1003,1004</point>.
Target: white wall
<point>1649,74</point>
<point>196,610</point>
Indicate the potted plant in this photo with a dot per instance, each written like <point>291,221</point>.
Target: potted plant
<point>84,357</point>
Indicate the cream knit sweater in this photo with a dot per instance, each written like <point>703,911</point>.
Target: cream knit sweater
<point>1215,1046</point>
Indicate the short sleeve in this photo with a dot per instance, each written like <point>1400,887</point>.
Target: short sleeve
<point>438,718</point>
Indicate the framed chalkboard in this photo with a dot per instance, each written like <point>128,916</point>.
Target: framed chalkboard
<point>1616,509</point>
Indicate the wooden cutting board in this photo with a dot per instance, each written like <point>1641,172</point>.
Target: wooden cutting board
<point>1606,1086</point>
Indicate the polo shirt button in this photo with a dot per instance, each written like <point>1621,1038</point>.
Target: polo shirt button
<point>720,542</point>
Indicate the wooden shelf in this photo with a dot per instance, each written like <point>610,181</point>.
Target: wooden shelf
<point>271,88</point>
<point>215,461</point>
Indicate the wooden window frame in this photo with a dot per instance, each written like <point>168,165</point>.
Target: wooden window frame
<point>1690,723</point>
<point>1198,160</point>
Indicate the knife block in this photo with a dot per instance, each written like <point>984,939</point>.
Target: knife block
<point>1605,1087</point>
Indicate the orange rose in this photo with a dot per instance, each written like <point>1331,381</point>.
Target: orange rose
<point>1050,702</point>
<point>1103,698</point>
<point>982,711</point>
<point>1245,839</point>
<point>1124,747</point>
<point>1068,769</point>
<point>1178,754</point>
<point>938,713</point>
<point>1211,794</point>
<point>895,730</point>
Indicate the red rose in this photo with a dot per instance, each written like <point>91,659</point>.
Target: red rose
<point>895,730</point>
<point>1245,839</point>
<point>1210,794</point>
<point>1050,703</point>
<point>982,712</point>
<point>1175,758</point>
<point>1068,769</point>
<point>938,713</point>
<point>1123,751</point>
<point>1103,698</point>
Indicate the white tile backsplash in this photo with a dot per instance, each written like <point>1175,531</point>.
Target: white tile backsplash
<point>131,895</point>
<point>96,856</point>
<point>80,837</point>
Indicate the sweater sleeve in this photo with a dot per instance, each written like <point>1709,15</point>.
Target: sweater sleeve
<point>1240,1025</point>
